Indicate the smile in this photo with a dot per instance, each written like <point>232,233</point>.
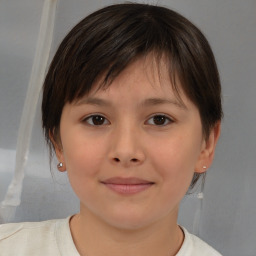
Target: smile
<point>127,186</point>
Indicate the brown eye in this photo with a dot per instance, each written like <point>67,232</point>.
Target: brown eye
<point>159,120</point>
<point>96,120</point>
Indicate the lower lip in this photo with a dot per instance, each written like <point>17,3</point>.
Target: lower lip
<point>128,189</point>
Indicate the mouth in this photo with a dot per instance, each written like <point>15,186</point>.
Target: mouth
<point>127,186</point>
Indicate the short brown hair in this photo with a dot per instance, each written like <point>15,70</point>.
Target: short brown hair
<point>108,40</point>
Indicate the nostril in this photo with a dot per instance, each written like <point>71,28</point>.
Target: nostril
<point>134,160</point>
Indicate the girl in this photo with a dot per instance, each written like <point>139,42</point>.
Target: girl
<point>132,109</point>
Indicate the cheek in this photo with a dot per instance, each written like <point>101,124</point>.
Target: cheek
<point>83,156</point>
<point>83,161</point>
<point>175,160</point>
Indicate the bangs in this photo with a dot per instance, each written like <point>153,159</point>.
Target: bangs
<point>155,63</point>
<point>102,57</point>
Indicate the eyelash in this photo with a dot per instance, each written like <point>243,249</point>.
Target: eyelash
<point>166,119</point>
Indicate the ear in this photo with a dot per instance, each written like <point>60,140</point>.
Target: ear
<point>58,151</point>
<point>208,149</point>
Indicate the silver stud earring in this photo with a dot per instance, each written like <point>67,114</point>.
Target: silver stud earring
<point>204,167</point>
<point>59,165</point>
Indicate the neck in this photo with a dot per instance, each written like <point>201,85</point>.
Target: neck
<point>94,237</point>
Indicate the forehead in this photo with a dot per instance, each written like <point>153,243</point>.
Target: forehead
<point>146,74</point>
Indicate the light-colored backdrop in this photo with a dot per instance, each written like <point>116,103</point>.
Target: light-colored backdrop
<point>228,219</point>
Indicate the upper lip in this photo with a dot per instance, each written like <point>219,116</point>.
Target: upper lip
<point>126,181</point>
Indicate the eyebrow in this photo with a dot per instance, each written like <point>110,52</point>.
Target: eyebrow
<point>95,101</point>
<point>146,103</point>
<point>162,101</point>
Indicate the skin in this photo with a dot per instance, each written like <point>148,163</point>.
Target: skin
<point>129,143</point>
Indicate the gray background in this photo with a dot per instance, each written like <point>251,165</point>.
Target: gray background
<point>228,219</point>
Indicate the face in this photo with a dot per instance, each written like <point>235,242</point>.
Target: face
<point>131,150</point>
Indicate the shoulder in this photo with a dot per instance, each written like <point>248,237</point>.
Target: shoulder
<point>194,246</point>
<point>10,229</point>
<point>28,237</point>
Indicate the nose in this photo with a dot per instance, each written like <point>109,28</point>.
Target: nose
<point>126,147</point>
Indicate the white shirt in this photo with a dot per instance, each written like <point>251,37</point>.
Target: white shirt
<point>53,238</point>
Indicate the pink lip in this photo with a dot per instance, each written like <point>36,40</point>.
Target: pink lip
<point>127,186</point>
